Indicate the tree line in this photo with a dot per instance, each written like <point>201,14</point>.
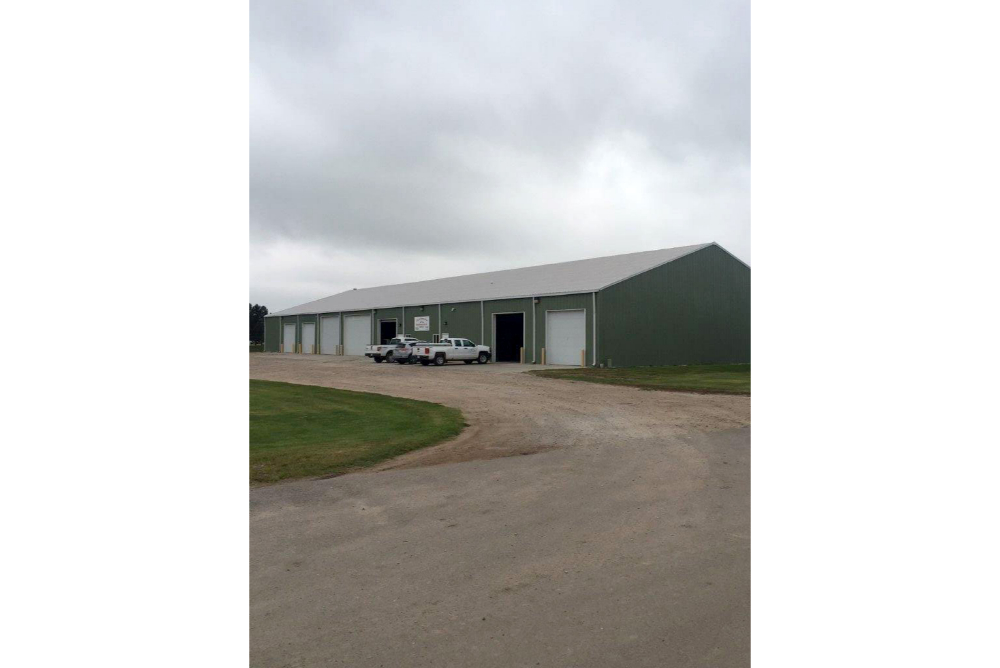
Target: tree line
<point>257,313</point>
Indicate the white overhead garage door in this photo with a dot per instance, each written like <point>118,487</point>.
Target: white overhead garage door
<point>329,334</point>
<point>565,336</point>
<point>357,334</point>
<point>309,337</point>
<point>288,340</point>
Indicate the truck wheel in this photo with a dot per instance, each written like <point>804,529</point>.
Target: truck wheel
<point>378,359</point>
<point>439,359</point>
<point>483,358</point>
<point>425,362</point>
<point>403,361</point>
<point>388,356</point>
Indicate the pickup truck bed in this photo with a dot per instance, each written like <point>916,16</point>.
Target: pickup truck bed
<point>403,352</point>
<point>387,351</point>
<point>451,350</point>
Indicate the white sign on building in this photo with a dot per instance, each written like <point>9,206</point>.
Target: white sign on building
<point>422,323</point>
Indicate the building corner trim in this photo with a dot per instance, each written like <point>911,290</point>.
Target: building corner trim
<point>594,334</point>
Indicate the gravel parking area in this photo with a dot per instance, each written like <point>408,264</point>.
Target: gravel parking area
<point>624,540</point>
<point>509,412</point>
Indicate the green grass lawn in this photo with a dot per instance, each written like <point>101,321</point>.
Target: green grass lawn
<point>715,378</point>
<point>303,431</point>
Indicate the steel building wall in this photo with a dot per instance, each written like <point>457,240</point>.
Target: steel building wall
<point>560,303</point>
<point>272,334</point>
<point>297,320</point>
<point>694,310</point>
<point>508,306</point>
<point>389,314</point>
<point>461,320</point>
<point>290,320</point>
<point>427,310</point>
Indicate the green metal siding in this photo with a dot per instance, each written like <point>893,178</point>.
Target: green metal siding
<point>508,306</point>
<point>562,303</point>
<point>462,320</point>
<point>272,334</point>
<point>694,310</point>
<point>428,310</point>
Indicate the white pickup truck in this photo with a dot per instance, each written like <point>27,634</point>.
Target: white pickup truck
<point>386,351</point>
<point>451,350</point>
<point>403,354</point>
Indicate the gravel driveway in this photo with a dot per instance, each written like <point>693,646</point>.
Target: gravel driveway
<point>624,540</point>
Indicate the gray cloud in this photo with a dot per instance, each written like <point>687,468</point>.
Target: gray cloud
<point>401,141</point>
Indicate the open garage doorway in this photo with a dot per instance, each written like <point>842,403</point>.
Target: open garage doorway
<point>508,336</point>
<point>386,330</point>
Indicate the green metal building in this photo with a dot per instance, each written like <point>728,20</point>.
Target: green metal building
<point>686,305</point>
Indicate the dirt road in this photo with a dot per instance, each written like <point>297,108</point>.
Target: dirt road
<point>510,412</point>
<point>623,542</point>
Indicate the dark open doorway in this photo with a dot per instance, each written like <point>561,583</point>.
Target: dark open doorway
<point>509,339</point>
<point>386,330</point>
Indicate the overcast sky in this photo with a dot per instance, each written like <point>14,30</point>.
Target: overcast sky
<point>393,142</point>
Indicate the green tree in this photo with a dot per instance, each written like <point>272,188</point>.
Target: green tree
<point>257,313</point>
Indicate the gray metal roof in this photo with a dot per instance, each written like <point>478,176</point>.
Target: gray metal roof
<point>547,279</point>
